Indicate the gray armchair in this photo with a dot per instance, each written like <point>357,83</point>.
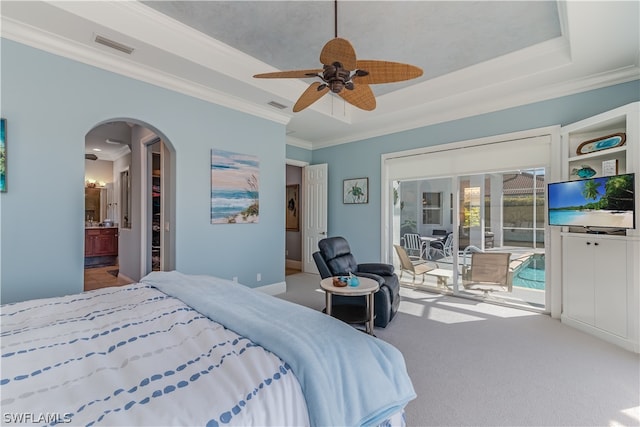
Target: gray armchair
<point>335,259</point>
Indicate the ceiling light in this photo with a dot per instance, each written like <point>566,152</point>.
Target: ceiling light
<point>97,149</point>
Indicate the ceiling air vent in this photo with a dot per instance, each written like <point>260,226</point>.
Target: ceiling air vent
<point>277,105</point>
<point>113,44</point>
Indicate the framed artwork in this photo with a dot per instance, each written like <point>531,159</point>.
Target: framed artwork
<point>234,188</point>
<point>610,167</point>
<point>355,190</point>
<point>292,208</point>
<point>3,155</point>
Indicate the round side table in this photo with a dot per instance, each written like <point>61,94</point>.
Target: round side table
<point>350,313</point>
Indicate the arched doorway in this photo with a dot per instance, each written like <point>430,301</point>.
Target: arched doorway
<point>125,159</point>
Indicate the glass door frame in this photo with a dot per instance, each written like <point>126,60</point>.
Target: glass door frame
<point>407,165</point>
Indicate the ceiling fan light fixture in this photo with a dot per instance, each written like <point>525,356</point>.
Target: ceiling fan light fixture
<point>342,70</point>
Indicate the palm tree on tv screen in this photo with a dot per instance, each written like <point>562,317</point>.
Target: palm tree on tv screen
<point>619,192</point>
<point>590,189</point>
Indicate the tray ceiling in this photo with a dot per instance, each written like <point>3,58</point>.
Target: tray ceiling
<point>477,57</point>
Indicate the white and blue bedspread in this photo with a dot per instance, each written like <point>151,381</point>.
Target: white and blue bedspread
<point>137,356</point>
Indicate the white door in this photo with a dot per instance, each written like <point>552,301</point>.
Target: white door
<point>314,218</point>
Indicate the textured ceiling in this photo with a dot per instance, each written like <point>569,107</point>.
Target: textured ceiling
<point>478,57</point>
<point>438,36</point>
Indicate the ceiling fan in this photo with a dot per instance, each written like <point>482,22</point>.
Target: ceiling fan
<point>345,75</point>
<point>91,157</point>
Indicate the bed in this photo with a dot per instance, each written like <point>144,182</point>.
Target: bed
<point>179,349</point>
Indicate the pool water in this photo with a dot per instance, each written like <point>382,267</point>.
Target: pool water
<point>531,274</point>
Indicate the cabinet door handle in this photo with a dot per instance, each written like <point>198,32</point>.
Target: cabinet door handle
<point>588,243</point>
<point>596,244</point>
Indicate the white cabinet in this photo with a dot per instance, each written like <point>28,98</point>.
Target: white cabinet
<point>601,273</point>
<point>595,282</point>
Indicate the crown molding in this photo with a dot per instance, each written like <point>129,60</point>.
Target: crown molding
<point>468,105</point>
<point>51,43</point>
<point>488,87</point>
<point>141,22</point>
<point>113,156</point>
<point>298,142</point>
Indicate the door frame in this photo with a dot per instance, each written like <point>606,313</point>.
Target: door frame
<point>301,207</point>
<point>553,302</point>
<point>308,266</point>
<point>167,166</point>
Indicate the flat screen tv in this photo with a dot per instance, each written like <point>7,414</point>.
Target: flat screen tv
<point>606,202</point>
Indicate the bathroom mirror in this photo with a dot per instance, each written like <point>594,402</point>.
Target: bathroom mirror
<point>94,204</point>
<point>125,199</point>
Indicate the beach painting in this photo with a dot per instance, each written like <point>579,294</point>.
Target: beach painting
<point>234,188</point>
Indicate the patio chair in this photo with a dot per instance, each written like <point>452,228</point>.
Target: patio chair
<point>489,272</point>
<point>413,245</point>
<point>442,248</point>
<point>413,267</point>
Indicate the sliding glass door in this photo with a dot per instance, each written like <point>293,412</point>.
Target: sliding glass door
<point>482,196</point>
<point>504,213</point>
<point>457,216</point>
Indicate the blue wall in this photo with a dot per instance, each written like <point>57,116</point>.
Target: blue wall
<point>360,224</point>
<point>297,153</point>
<point>50,103</point>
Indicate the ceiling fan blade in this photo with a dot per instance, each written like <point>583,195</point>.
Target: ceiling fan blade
<point>339,50</point>
<point>91,157</point>
<point>294,74</point>
<point>361,96</point>
<point>309,96</point>
<point>386,72</point>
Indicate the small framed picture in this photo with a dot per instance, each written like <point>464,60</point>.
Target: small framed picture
<point>355,191</point>
<point>292,208</point>
<point>610,167</point>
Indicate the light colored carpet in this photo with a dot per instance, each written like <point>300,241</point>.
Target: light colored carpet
<point>477,364</point>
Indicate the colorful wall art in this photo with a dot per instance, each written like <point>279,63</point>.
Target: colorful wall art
<point>234,188</point>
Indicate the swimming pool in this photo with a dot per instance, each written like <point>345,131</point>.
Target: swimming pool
<point>531,273</point>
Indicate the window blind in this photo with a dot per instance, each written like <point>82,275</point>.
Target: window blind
<point>485,158</point>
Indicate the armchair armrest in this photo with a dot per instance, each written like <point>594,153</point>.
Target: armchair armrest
<point>371,276</point>
<point>376,268</point>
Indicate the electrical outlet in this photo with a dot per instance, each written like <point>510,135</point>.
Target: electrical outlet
<point>259,277</point>
<point>235,279</point>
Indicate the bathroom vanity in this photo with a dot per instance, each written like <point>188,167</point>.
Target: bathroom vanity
<point>100,246</point>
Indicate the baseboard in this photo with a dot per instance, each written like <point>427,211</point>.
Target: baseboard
<point>626,343</point>
<point>292,263</point>
<point>273,289</point>
<point>122,276</point>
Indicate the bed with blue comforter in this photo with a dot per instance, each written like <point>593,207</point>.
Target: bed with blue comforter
<point>189,350</point>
